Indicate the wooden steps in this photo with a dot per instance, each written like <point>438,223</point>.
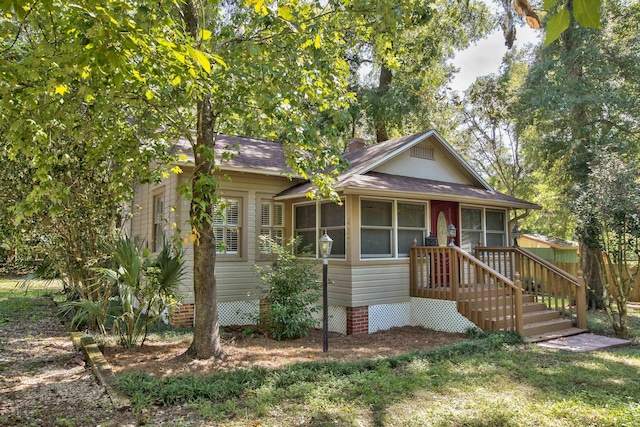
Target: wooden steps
<point>539,323</point>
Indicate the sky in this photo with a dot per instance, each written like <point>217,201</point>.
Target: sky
<point>485,56</point>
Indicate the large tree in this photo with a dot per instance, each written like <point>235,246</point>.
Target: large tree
<point>581,97</point>
<point>115,80</point>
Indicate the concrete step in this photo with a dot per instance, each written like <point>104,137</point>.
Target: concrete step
<point>548,336</point>
<point>547,326</point>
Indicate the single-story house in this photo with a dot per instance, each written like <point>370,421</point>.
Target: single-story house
<point>394,194</point>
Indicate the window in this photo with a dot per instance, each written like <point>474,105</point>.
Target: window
<point>305,218</point>
<point>158,223</point>
<point>332,220</point>
<point>412,222</point>
<point>271,224</point>
<point>376,231</point>
<point>482,226</point>
<point>226,226</point>
<point>471,233</point>
<point>495,228</point>
<point>313,219</point>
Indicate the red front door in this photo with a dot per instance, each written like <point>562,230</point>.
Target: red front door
<point>442,214</point>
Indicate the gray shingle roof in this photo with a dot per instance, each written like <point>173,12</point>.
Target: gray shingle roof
<point>261,156</point>
<point>247,154</point>
<point>382,182</point>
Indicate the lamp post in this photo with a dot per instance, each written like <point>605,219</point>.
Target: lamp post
<point>325,243</point>
<point>515,233</point>
<point>451,233</point>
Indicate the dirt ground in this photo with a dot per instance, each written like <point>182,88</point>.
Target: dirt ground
<point>165,358</point>
<point>44,380</point>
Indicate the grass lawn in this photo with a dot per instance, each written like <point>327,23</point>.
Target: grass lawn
<point>15,299</point>
<point>492,381</point>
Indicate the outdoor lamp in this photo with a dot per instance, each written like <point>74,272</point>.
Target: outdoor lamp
<point>325,243</point>
<point>515,233</point>
<point>451,232</point>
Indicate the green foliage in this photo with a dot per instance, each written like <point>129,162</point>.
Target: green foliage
<point>147,287</point>
<point>608,213</point>
<point>585,12</point>
<point>463,383</point>
<point>135,295</point>
<point>292,292</point>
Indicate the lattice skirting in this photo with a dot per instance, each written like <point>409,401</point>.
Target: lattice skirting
<point>439,315</point>
<point>238,312</point>
<point>434,314</point>
<point>337,319</point>
<point>387,316</point>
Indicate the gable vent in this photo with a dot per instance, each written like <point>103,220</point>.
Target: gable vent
<point>422,152</point>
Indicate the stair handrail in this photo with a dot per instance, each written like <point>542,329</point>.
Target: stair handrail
<point>484,266</point>
<point>547,264</point>
<point>576,282</point>
<point>460,256</point>
<point>515,285</point>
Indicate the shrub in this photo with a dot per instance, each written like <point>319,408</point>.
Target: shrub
<point>292,292</point>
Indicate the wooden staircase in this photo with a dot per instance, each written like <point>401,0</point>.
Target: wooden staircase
<point>539,322</point>
<point>489,291</point>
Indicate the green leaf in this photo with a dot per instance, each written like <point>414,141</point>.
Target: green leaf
<point>284,12</point>
<point>557,24</point>
<point>587,13</point>
<point>205,34</point>
<point>200,58</point>
<point>548,4</point>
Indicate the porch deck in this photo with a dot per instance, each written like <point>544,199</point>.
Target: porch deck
<point>489,291</point>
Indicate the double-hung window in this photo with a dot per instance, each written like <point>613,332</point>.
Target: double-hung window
<point>412,220</point>
<point>388,228</point>
<point>158,223</point>
<point>472,232</point>
<point>376,231</point>
<point>313,219</point>
<point>482,227</point>
<point>495,228</point>
<point>332,220</point>
<point>227,226</point>
<point>271,224</point>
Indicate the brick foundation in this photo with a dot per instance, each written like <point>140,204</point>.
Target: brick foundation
<point>357,320</point>
<point>182,315</point>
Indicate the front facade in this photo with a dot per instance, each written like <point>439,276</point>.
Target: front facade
<point>395,195</point>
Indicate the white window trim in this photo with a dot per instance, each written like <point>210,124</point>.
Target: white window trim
<point>319,229</point>
<point>158,194</point>
<point>483,218</point>
<point>261,200</point>
<point>394,227</point>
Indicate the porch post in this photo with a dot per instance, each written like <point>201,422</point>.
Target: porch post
<point>581,302</point>
<point>518,307</point>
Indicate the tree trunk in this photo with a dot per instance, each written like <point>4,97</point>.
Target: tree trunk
<point>592,278</point>
<point>206,333</point>
<point>384,83</point>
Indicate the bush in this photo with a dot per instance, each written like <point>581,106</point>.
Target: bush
<point>292,292</point>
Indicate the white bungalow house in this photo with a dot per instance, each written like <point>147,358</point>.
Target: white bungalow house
<point>394,195</point>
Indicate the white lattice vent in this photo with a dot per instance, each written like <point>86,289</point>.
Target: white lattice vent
<point>337,319</point>
<point>387,316</point>
<point>439,315</point>
<point>238,312</point>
